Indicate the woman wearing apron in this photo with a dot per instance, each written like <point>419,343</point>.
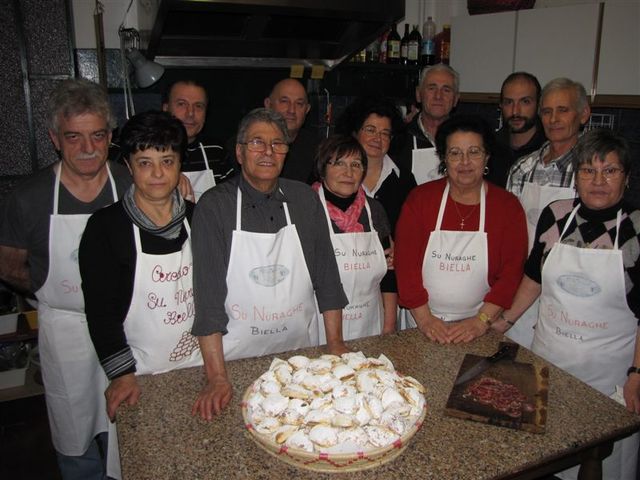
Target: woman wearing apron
<point>356,236</point>
<point>585,267</point>
<point>460,241</point>
<point>373,122</point>
<point>136,267</point>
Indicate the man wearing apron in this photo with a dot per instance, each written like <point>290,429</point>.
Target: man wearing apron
<point>547,174</point>
<point>42,223</point>
<point>438,94</point>
<point>262,258</point>
<point>364,315</point>
<point>205,165</point>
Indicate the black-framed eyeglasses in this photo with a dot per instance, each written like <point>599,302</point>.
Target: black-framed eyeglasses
<point>260,146</point>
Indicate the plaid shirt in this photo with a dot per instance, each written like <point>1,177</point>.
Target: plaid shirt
<point>531,168</point>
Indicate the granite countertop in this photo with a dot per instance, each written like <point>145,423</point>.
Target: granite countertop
<point>159,439</point>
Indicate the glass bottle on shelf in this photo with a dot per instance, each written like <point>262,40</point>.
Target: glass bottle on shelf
<point>393,46</point>
<point>413,50</point>
<point>383,47</point>
<point>404,45</point>
<point>445,44</point>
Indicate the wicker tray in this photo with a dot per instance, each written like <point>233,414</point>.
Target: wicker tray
<point>330,462</point>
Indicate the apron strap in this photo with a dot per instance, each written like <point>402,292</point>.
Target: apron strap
<point>286,209</point>
<point>239,209</point>
<point>573,214</point>
<point>443,203</point>
<point>482,207</point>
<point>323,201</point>
<point>371,227</point>
<point>138,242</point>
<point>204,156</point>
<point>56,187</point>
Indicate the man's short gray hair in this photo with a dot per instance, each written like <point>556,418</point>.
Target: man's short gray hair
<point>562,83</point>
<point>441,67</point>
<point>262,115</point>
<point>77,96</point>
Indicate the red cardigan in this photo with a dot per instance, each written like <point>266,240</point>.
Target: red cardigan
<point>506,229</point>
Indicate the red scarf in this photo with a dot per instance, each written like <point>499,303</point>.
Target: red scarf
<point>346,221</point>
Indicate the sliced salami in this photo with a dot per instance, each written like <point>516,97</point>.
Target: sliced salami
<point>504,397</point>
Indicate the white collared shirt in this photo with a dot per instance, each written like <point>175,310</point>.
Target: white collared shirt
<point>388,166</point>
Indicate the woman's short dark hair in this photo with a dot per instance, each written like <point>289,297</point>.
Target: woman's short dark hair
<point>153,129</point>
<point>338,146</point>
<point>599,143</point>
<point>464,123</point>
<point>354,116</point>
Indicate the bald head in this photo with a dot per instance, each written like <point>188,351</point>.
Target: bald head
<point>289,98</point>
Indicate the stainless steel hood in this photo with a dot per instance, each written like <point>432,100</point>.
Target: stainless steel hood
<point>266,33</point>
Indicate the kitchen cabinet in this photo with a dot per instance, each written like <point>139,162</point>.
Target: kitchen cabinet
<point>558,42</point>
<point>619,67</point>
<point>482,49</point>
<point>551,42</point>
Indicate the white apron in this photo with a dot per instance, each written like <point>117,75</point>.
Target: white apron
<point>73,378</point>
<point>201,180</point>
<point>424,163</point>
<point>586,328</point>
<point>159,320</point>
<point>270,299</point>
<point>534,198</point>
<point>455,267</point>
<point>361,263</point>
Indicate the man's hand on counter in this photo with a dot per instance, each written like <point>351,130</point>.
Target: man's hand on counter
<point>121,389</point>
<point>215,395</point>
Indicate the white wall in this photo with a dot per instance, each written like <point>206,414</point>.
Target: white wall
<point>112,17</point>
<point>417,11</point>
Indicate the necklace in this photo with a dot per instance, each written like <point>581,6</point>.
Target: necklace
<point>462,219</point>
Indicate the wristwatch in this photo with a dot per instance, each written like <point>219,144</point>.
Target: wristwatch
<point>633,370</point>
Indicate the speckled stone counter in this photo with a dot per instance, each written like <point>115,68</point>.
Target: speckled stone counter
<point>159,439</point>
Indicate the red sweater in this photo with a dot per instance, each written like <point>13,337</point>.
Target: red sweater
<point>506,229</point>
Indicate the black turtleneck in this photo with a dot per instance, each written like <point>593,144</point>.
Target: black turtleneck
<point>341,202</point>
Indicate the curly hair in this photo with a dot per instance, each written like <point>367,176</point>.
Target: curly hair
<point>354,116</point>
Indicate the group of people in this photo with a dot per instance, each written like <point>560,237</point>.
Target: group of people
<point>295,242</point>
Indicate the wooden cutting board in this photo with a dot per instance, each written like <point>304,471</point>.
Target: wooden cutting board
<point>531,380</point>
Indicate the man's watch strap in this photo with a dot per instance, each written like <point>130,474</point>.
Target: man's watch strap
<point>633,370</point>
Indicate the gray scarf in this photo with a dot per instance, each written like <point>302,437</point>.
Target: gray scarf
<point>170,231</point>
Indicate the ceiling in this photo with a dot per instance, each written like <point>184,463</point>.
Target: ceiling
<point>267,33</point>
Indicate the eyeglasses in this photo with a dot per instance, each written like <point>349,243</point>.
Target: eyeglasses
<point>473,154</point>
<point>340,163</point>
<point>372,131</point>
<point>589,173</point>
<point>260,146</point>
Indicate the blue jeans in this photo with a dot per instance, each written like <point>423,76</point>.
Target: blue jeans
<point>90,466</point>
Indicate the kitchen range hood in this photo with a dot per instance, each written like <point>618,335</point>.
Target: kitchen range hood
<point>266,33</point>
